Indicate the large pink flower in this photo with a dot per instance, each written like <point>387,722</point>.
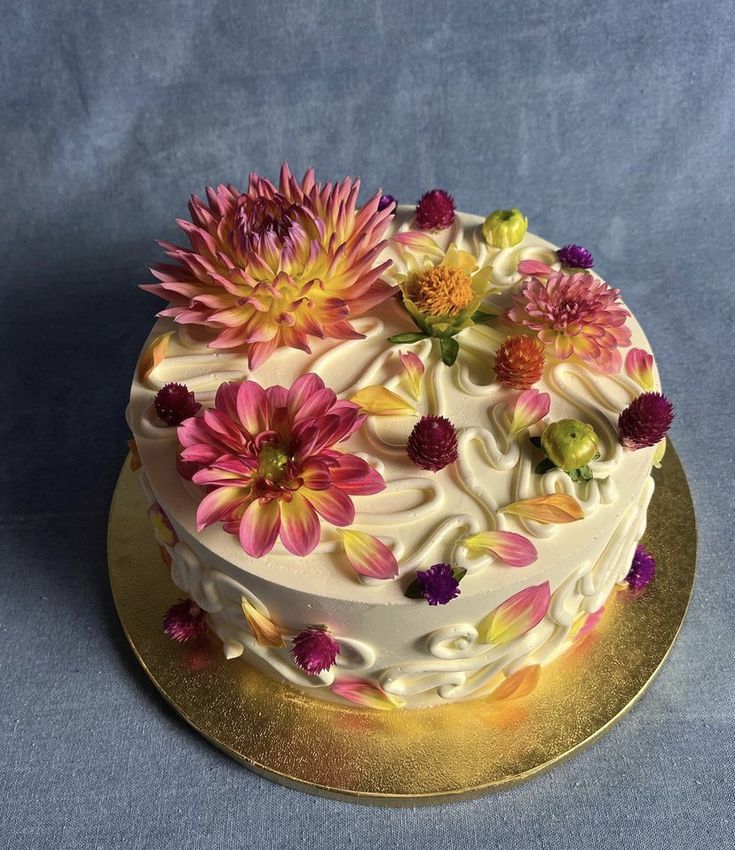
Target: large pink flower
<point>574,314</point>
<point>272,267</point>
<point>266,457</point>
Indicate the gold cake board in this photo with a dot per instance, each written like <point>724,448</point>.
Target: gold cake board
<point>412,756</point>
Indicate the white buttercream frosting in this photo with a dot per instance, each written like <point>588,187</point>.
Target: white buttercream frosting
<point>427,654</point>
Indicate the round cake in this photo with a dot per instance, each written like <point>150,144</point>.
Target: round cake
<point>396,456</point>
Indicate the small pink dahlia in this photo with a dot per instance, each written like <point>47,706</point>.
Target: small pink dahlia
<point>645,421</point>
<point>314,650</point>
<point>575,314</point>
<point>435,210</point>
<point>272,267</point>
<point>184,621</point>
<point>266,457</point>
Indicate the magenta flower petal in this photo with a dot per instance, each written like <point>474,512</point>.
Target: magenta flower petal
<point>299,525</point>
<point>369,556</point>
<point>639,366</point>
<point>517,615</point>
<point>259,527</point>
<point>530,407</point>
<point>507,546</point>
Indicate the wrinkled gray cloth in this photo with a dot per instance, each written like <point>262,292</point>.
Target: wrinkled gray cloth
<point>609,124</point>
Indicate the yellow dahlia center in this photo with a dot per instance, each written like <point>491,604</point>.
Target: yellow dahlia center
<point>272,460</point>
<point>443,291</point>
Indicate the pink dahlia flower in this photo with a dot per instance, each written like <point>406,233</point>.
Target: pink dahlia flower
<point>574,314</point>
<point>272,267</point>
<point>266,457</point>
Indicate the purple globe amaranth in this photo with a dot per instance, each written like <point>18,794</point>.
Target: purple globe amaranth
<point>437,584</point>
<point>174,403</point>
<point>184,621</point>
<point>432,444</point>
<point>642,570</point>
<point>645,421</point>
<point>385,201</point>
<point>314,650</point>
<point>575,257</point>
<point>435,210</point>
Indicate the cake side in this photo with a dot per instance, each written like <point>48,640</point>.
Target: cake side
<point>410,652</point>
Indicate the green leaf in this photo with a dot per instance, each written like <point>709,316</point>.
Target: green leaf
<point>458,573</point>
<point>413,591</point>
<point>481,316</point>
<point>574,475</point>
<point>536,441</point>
<point>585,472</point>
<point>411,336</point>
<point>449,348</point>
<point>544,466</point>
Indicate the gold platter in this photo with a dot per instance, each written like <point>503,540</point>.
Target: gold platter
<point>417,756</point>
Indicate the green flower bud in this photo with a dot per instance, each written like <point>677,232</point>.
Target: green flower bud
<point>504,228</point>
<point>569,443</point>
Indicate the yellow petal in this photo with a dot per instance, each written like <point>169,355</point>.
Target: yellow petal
<point>554,508</point>
<point>266,632</point>
<point>518,685</point>
<point>153,355</point>
<point>379,401</point>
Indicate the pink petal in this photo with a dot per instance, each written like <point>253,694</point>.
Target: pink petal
<point>356,477</point>
<point>517,615</point>
<point>639,366</point>
<point>509,547</point>
<point>530,407</point>
<point>534,268</point>
<point>369,556</point>
<point>217,505</point>
<point>252,406</point>
<point>259,527</point>
<point>299,525</point>
<point>333,505</point>
<point>362,692</point>
<point>414,371</point>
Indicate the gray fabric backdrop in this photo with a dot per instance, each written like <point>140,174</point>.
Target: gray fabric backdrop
<point>610,124</point>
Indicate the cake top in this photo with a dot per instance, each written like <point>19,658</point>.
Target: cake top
<point>386,391</point>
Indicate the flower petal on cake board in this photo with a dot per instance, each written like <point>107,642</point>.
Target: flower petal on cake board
<point>369,556</point>
<point>362,692</point>
<point>639,366</point>
<point>554,508</point>
<point>516,616</point>
<point>162,525</point>
<point>265,631</point>
<point>518,684</point>
<point>414,369</point>
<point>530,407</point>
<point>380,401</point>
<point>514,549</point>
<point>153,354</point>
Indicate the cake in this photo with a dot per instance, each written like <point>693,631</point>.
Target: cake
<point>393,456</point>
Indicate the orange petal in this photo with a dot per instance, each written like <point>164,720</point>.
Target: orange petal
<point>165,557</point>
<point>554,508</point>
<point>380,401</point>
<point>516,616</point>
<point>153,355</point>
<point>266,632</point>
<point>135,461</point>
<point>518,685</point>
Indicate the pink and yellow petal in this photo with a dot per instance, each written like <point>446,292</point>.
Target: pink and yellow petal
<point>516,616</point>
<point>639,366</point>
<point>259,527</point>
<point>553,508</point>
<point>507,546</point>
<point>362,692</point>
<point>414,370</point>
<point>369,556</point>
<point>300,530</point>
<point>380,401</point>
<point>530,407</point>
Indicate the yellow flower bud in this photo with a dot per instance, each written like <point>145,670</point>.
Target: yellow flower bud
<point>504,228</point>
<point>569,443</point>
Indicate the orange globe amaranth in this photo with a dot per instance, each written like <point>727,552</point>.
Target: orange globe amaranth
<point>519,362</point>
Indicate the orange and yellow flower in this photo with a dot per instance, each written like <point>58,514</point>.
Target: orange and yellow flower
<point>272,267</point>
